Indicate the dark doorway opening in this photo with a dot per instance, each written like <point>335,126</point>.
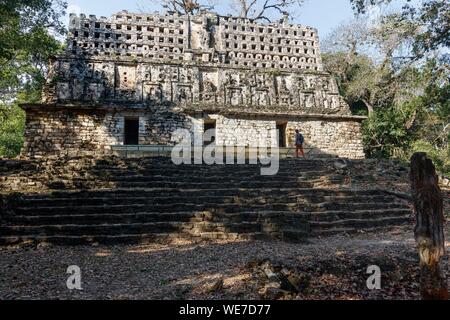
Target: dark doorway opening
<point>131,131</point>
<point>209,125</point>
<point>281,130</point>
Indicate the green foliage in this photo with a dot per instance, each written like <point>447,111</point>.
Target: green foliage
<point>363,84</point>
<point>384,132</point>
<point>25,49</point>
<point>11,132</point>
<point>25,72</point>
<point>408,88</point>
<point>418,124</point>
<point>432,18</point>
<point>440,156</point>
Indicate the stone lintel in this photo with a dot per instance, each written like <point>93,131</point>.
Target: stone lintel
<point>277,116</point>
<point>84,106</point>
<point>202,113</point>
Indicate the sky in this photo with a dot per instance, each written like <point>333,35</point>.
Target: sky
<point>324,15</point>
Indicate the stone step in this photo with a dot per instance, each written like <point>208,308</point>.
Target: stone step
<point>188,216</point>
<point>203,179</point>
<point>126,238</point>
<point>336,215</point>
<point>260,216</point>
<point>198,170</point>
<point>80,202</point>
<point>167,162</point>
<point>311,205</point>
<point>219,183</point>
<point>174,172</point>
<point>350,205</point>
<point>311,194</point>
<point>352,230</point>
<point>171,207</point>
<point>195,228</point>
<point>151,199</point>
<point>360,223</point>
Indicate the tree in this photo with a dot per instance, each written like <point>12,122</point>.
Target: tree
<point>385,132</point>
<point>406,92</point>
<point>392,36</point>
<point>429,229</point>
<point>27,43</point>
<point>376,80</point>
<point>431,16</point>
<point>20,19</point>
<point>351,38</point>
<point>186,6</point>
<point>360,79</point>
<point>264,9</point>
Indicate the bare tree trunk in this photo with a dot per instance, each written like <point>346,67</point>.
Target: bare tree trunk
<point>368,106</point>
<point>429,229</point>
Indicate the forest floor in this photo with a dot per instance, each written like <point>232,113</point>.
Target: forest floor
<point>323,268</point>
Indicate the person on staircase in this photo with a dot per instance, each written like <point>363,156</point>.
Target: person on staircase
<point>299,140</point>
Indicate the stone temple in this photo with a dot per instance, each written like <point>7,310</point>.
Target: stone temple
<point>133,79</point>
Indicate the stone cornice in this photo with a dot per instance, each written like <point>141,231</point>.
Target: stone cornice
<point>195,112</point>
<point>280,116</point>
<point>133,61</point>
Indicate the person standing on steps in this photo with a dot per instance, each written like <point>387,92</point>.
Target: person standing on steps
<point>299,139</point>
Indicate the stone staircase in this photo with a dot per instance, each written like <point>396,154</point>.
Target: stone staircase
<point>151,199</point>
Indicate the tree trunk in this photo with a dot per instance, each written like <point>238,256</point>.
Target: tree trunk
<point>368,106</point>
<point>429,229</point>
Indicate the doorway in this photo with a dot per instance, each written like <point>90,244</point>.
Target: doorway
<point>209,125</point>
<point>281,131</point>
<point>131,132</point>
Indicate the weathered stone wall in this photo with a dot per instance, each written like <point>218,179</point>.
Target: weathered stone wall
<point>341,138</point>
<point>65,132</point>
<point>243,132</point>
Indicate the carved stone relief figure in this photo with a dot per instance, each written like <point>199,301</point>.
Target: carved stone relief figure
<point>209,93</point>
<point>284,95</point>
<point>64,71</point>
<point>63,90</point>
<point>181,95</point>
<point>260,81</point>
<point>301,83</point>
<point>308,101</point>
<point>233,92</point>
<point>235,97</point>
<point>325,84</point>
<point>187,77</point>
<point>312,83</point>
<point>261,98</point>
<point>205,39</point>
<point>326,102</point>
<point>153,93</point>
<point>230,80</point>
<point>94,92</point>
<point>90,71</point>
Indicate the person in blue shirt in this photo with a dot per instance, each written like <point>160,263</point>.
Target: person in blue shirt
<point>299,139</point>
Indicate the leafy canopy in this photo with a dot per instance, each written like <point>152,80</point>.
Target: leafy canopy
<point>27,32</point>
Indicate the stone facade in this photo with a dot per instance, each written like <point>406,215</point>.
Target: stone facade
<point>172,71</point>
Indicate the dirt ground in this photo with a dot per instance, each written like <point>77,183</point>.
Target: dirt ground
<point>331,268</point>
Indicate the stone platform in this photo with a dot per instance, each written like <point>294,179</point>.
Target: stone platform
<point>148,199</point>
